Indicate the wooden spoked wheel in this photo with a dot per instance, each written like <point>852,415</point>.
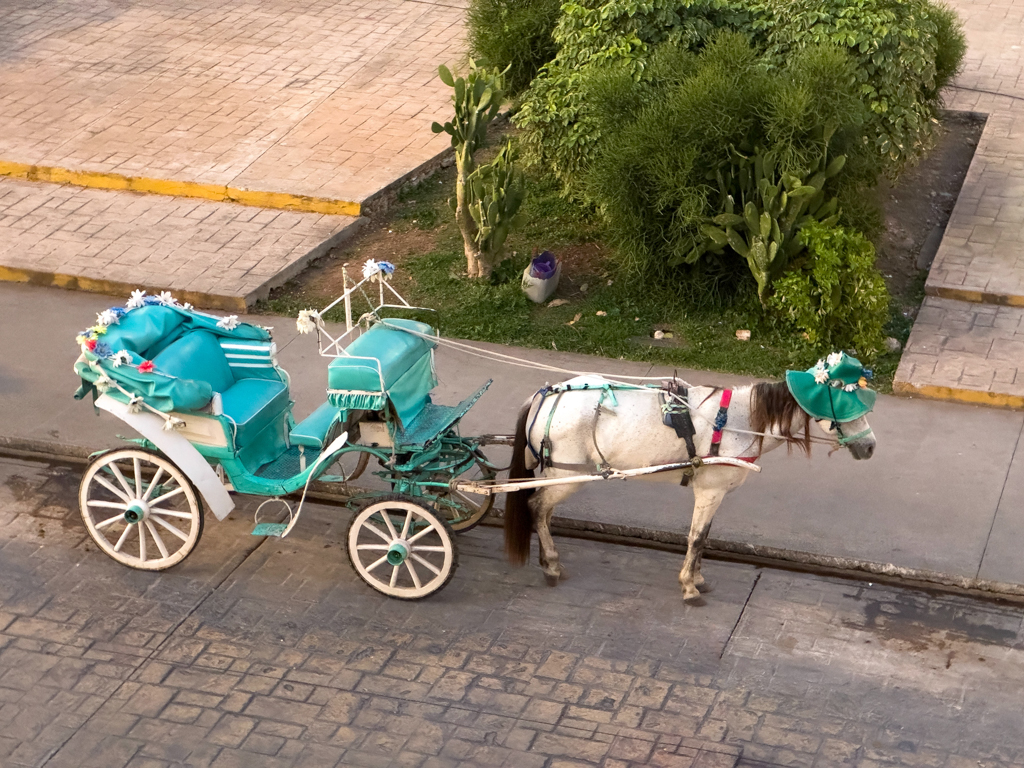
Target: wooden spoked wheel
<point>140,509</point>
<point>402,548</point>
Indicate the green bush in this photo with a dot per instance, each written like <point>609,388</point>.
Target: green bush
<point>904,52</point>
<point>706,141</point>
<point>898,47</point>
<point>515,34</point>
<point>837,298</point>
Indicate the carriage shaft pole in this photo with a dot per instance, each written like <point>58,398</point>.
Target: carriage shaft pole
<point>491,487</point>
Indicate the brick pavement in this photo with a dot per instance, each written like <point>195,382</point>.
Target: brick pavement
<point>330,98</point>
<point>273,654</point>
<point>212,254</point>
<point>965,351</point>
<point>314,106</point>
<point>980,258</point>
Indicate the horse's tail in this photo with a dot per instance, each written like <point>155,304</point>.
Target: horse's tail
<point>518,518</point>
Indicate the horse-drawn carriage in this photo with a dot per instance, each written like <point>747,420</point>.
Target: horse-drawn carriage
<point>214,411</point>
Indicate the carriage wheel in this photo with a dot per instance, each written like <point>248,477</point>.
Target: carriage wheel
<point>464,511</point>
<point>402,548</point>
<point>140,509</point>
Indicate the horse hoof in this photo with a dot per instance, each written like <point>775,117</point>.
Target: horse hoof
<point>563,574</point>
<point>551,579</point>
<point>696,601</point>
<point>705,587</point>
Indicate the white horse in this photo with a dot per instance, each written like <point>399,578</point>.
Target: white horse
<point>624,429</point>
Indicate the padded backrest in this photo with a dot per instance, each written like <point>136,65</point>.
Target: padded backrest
<point>198,356</point>
<point>145,331</point>
<point>396,350</point>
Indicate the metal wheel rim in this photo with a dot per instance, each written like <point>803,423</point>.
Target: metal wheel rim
<point>431,549</point>
<point>172,521</point>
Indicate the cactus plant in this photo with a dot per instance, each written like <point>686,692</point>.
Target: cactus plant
<point>773,208</point>
<point>495,194</point>
<point>483,219</point>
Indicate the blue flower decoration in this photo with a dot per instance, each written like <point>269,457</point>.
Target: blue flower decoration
<point>386,267</point>
<point>119,311</point>
<point>150,300</point>
<point>102,349</point>
<point>868,374</point>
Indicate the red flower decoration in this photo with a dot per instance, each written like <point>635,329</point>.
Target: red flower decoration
<point>90,344</point>
<point>146,366</point>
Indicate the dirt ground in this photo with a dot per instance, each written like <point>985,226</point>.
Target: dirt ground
<point>922,202</point>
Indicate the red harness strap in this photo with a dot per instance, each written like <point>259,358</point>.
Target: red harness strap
<point>720,421</point>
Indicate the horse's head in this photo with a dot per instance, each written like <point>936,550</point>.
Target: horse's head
<point>855,435</point>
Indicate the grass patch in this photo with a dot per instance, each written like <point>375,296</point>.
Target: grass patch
<point>497,310</point>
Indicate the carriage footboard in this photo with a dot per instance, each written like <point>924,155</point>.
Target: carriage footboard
<point>491,487</point>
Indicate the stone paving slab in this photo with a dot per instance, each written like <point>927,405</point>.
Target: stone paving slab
<point>272,654</point>
<point>215,255</point>
<point>965,351</point>
<point>960,349</point>
<point>331,99</point>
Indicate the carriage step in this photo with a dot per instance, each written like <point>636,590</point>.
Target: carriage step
<point>269,529</point>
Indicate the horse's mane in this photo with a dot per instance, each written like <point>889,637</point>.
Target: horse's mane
<point>773,407</point>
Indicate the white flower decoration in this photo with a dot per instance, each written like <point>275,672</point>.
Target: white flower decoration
<point>228,323</point>
<point>172,423</point>
<point>135,405</point>
<point>370,268</point>
<point>107,317</point>
<point>820,374</point>
<point>187,307</point>
<point>851,387</point>
<point>834,359</point>
<point>137,300</point>
<point>306,321</point>
<point>103,383</point>
<point>123,357</point>
<point>166,299</point>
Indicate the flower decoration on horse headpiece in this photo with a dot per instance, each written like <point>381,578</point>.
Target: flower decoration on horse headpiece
<point>836,388</point>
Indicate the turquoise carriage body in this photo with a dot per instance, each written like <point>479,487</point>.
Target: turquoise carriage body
<point>227,395</point>
<point>214,409</point>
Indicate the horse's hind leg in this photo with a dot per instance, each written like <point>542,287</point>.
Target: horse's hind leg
<point>542,504</point>
<point>706,503</point>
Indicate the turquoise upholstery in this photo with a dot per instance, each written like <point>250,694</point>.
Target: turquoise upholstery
<point>312,430</point>
<point>197,355</point>
<point>145,332</point>
<point>396,350</point>
<point>404,377</point>
<point>252,404</point>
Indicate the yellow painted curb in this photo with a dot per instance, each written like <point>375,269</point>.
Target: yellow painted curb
<point>115,288</point>
<point>215,192</point>
<point>975,297</point>
<point>972,396</point>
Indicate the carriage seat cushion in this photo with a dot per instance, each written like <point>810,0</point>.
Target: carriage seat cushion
<point>312,431</point>
<point>396,350</point>
<point>146,331</point>
<point>197,356</point>
<point>253,404</point>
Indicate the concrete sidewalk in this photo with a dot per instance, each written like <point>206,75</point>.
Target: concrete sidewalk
<point>944,493</point>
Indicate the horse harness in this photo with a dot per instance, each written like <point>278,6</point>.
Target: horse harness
<point>675,407</point>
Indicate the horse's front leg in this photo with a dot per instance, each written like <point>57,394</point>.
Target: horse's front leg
<point>706,503</point>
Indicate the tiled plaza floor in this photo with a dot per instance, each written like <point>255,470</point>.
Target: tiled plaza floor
<point>331,99</point>
<point>213,254</point>
<point>981,259</point>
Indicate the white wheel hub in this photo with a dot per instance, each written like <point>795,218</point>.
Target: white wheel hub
<point>401,548</point>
